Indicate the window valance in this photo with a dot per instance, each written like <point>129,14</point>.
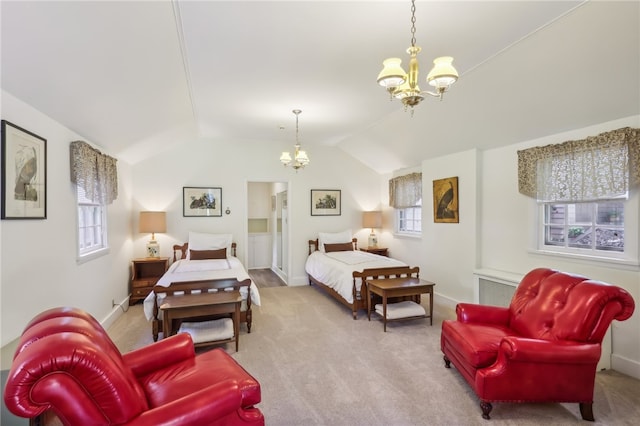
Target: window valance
<point>96,173</point>
<point>405,191</point>
<point>596,168</point>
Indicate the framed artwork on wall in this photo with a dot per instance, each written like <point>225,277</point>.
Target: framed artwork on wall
<point>325,202</point>
<point>445,200</point>
<point>201,201</point>
<point>24,173</point>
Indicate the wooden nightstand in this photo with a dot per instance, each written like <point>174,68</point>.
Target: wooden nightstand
<point>382,251</point>
<point>145,274</point>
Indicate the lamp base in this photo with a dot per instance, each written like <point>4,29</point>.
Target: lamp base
<point>153,249</point>
<point>373,240</point>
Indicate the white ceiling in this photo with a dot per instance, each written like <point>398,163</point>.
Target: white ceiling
<point>139,76</point>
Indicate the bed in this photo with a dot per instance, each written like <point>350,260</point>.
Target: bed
<point>337,266</point>
<point>211,266</point>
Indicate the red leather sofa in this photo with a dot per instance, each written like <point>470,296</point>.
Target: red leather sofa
<point>543,348</point>
<point>66,362</point>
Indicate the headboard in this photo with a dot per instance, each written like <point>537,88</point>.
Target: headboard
<point>313,245</point>
<point>184,247</point>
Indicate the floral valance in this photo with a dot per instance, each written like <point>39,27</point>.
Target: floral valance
<point>596,168</point>
<point>405,191</point>
<point>96,173</point>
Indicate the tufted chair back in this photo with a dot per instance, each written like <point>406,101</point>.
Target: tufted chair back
<point>552,305</point>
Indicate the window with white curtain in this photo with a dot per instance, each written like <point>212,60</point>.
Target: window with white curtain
<point>583,189</point>
<point>95,178</point>
<point>405,196</point>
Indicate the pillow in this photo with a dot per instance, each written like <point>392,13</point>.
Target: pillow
<point>333,238</point>
<point>204,241</point>
<point>328,248</point>
<point>208,254</point>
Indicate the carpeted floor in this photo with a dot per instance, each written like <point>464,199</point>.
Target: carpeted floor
<point>317,366</point>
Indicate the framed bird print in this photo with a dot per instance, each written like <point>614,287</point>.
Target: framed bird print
<point>24,173</point>
<point>445,200</point>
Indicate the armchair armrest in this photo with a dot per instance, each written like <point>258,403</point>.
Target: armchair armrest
<point>544,351</point>
<point>483,314</point>
<point>161,354</point>
<point>199,408</point>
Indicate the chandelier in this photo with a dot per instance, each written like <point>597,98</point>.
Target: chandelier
<point>300,158</point>
<point>404,86</point>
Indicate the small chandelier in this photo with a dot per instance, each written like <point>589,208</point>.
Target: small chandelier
<point>404,86</point>
<point>300,158</point>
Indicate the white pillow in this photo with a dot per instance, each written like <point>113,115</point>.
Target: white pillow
<point>333,238</point>
<point>203,241</point>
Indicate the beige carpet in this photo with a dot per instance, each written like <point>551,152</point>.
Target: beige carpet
<point>317,366</point>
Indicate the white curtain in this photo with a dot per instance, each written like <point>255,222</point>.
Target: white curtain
<point>405,191</point>
<point>597,168</point>
<point>96,173</point>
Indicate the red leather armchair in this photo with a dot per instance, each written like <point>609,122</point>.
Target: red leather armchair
<point>543,348</point>
<point>66,362</point>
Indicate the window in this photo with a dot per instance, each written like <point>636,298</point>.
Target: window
<point>405,195</point>
<point>92,225</point>
<point>409,220</point>
<point>590,228</point>
<point>584,191</point>
<point>95,177</point>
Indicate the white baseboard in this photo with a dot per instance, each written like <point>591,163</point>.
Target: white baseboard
<point>625,366</point>
<point>115,313</point>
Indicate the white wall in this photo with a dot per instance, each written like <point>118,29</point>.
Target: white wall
<point>38,257</point>
<point>507,235</point>
<point>497,230</point>
<point>158,182</point>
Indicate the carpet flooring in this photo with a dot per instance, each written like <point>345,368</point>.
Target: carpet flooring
<point>317,366</point>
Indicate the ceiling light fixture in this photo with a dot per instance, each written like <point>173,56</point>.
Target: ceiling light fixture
<point>404,86</point>
<point>300,158</point>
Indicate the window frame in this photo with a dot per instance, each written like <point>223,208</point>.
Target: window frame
<point>630,255</point>
<point>97,250</point>
<point>408,233</point>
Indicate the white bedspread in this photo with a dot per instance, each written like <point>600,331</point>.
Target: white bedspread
<point>194,270</point>
<point>335,269</point>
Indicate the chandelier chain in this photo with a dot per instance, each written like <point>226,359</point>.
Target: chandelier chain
<point>413,23</point>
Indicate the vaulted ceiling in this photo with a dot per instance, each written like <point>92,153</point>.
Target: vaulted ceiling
<point>135,75</point>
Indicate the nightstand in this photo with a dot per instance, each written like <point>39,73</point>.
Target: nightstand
<point>145,273</point>
<point>382,251</point>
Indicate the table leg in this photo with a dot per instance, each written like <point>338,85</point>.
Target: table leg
<point>236,327</point>
<point>368,296</point>
<point>166,320</point>
<point>431,305</point>
<point>384,309</point>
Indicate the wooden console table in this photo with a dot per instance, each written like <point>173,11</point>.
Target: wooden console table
<point>204,304</point>
<point>397,287</point>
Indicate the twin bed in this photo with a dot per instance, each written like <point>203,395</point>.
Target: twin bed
<point>336,265</point>
<point>206,263</point>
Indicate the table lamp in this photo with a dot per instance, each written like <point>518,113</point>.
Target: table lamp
<point>372,220</point>
<point>153,222</point>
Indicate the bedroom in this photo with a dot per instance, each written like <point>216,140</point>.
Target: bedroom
<point>38,263</point>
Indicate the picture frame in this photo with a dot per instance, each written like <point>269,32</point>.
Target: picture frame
<point>445,200</point>
<point>201,201</point>
<point>24,173</point>
<point>326,202</point>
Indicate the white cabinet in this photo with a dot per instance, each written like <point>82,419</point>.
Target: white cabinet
<point>259,251</point>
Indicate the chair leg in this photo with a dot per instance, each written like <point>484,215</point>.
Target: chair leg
<point>486,409</point>
<point>447,362</point>
<point>586,411</point>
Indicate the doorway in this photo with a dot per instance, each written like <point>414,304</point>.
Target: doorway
<point>268,227</point>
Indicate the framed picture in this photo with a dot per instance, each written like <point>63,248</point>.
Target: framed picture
<point>445,200</point>
<point>201,201</point>
<point>24,173</point>
<point>325,202</point>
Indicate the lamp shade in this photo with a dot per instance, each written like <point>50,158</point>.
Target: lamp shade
<point>372,219</point>
<point>153,222</point>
